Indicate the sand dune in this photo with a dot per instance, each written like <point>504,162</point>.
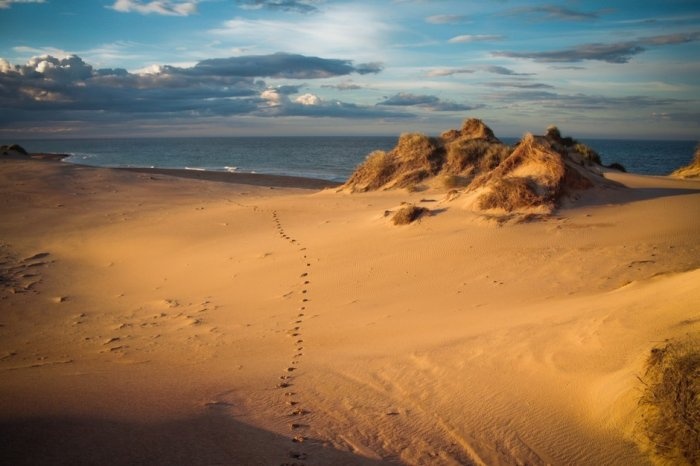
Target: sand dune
<point>147,318</point>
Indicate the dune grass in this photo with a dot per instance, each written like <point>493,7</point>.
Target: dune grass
<point>671,402</point>
<point>509,194</point>
<point>691,170</point>
<point>408,214</point>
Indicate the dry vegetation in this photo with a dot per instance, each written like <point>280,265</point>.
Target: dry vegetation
<point>14,148</point>
<point>671,402</point>
<point>409,214</point>
<point>691,170</point>
<point>532,175</point>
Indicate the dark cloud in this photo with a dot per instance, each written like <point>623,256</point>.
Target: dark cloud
<point>618,52</point>
<point>299,6</point>
<point>406,99</point>
<point>502,70</point>
<point>369,68</point>
<point>344,86</point>
<point>68,89</point>
<point>282,65</point>
<point>429,102</point>
<point>547,99</point>
<point>554,12</point>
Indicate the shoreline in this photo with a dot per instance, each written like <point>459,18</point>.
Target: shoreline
<point>255,179</point>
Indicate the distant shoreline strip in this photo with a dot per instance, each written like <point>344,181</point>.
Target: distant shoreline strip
<point>256,179</point>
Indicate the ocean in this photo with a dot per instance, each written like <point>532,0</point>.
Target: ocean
<point>327,158</point>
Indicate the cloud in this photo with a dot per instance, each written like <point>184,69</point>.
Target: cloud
<point>282,65</point>
<point>441,72</point>
<point>554,12</point>
<point>519,85</point>
<point>159,7</point>
<point>429,102</point>
<point>299,6</point>
<point>344,86</point>
<point>308,99</point>
<point>617,52</point>
<point>337,30</point>
<point>502,70</point>
<point>547,99</point>
<point>310,105</point>
<point>54,89</point>
<point>468,38</point>
<point>446,19</point>
<point>8,3</point>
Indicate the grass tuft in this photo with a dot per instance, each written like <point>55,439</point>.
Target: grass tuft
<point>693,169</point>
<point>671,402</point>
<point>373,173</point>
<point>409,214</point>
<point>588,155</point>
<point>509,194</point>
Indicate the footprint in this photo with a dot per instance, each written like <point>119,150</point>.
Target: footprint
<point>298,455</point>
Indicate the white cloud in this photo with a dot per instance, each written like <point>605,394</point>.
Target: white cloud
<point>466,38</point>
<point>340,30</point>
<point>273,97</point>
<point>441,72</point>
<point>160,7</point>
<point>308,99</point>
<point>5,66</point>
<point>8,3</point>
<point>446,19</point>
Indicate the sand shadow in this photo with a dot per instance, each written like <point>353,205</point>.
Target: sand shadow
<point>209,439</point>
<point>621,195</point>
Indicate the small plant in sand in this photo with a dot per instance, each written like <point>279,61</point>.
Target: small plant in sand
<point>408,214</point>
<point>671,402</point>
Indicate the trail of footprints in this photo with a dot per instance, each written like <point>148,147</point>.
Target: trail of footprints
<point>294,406</point>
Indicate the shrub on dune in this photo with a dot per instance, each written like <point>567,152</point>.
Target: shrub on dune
<point>671,402</point>
<point>408,214</point>
<point>691,170</point>
<point>373,173</point>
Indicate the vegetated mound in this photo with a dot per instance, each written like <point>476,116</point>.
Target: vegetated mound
<point>692,170</point>
<point>536,175</point>
<point>670,403</point>
<point>417,157</point>
<point>531,177</point>
<point>13,149</point>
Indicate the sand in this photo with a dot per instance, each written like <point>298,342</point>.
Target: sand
<point>147,318</point>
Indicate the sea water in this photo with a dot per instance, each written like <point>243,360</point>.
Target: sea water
<point>328,158</point>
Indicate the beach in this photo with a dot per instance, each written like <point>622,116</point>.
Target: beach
<point>153,318</point>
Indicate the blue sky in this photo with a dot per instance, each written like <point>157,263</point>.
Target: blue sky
<point>82,68</point>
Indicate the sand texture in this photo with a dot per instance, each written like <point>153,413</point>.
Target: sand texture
<point>152,319</point>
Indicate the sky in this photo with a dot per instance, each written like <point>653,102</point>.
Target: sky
<point>139,68</point>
